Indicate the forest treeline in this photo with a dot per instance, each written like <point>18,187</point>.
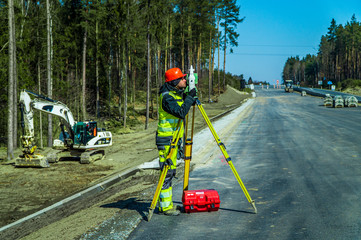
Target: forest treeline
<point>338,59</point>
<point>98,57</point>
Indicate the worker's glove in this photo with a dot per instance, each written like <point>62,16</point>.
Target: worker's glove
<point>193,92</point>
<point>180,153</point>
<point>167,162</point>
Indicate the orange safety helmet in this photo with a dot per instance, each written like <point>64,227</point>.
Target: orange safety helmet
<point>173,74</point>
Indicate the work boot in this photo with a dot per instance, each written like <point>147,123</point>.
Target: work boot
<point>172,212</point>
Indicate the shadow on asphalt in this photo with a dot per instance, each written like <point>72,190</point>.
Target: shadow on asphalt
<point>143,206</point>
<point>132,204</point>
<point>224,209</point>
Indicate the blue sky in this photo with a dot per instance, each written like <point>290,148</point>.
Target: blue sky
<point>275,30</point>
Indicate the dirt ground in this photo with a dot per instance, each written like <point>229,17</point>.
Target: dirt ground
<point>24,191</point>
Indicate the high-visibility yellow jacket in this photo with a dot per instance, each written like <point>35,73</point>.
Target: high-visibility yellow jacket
<point>172,107</point>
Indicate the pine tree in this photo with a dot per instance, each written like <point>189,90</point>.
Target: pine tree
<point>230,19</point>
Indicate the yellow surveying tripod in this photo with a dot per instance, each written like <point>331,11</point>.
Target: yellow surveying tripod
<point>188,156</point>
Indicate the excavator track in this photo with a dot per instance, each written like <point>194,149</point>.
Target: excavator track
<point>86,157</point>
<point>92,155</point>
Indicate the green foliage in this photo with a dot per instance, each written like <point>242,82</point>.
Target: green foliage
<point>337,59</point>
<point>350,83</point>
<point>232,80</point>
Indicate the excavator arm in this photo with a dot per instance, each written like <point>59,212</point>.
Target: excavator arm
<point>44,104</point>
<point>28,102</point>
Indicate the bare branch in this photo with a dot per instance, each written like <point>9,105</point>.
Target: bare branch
<point>4,46</point>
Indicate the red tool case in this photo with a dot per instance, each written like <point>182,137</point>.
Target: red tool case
<point>204,200</point>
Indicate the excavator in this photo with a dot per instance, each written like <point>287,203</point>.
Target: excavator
<point>82,140</point>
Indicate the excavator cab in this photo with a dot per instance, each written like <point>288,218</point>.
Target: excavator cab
<point>84,131</point>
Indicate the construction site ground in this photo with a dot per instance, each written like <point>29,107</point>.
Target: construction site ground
<point>24,191</point>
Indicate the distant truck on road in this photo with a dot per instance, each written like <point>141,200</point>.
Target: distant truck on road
<point>288,86</point>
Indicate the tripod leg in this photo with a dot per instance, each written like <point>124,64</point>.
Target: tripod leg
<point>157,192</point>
<point>252,202</point>
<point>172,148</point>
<point>188,152</point>
<point>225,154</point>
<point>186,174</point>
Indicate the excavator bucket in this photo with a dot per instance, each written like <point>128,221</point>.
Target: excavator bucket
<point>35,160</point>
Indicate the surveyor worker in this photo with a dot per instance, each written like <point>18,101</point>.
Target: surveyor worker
<point>173,106</point>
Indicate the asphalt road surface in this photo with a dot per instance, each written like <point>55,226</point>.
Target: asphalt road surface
<point>300,162</point>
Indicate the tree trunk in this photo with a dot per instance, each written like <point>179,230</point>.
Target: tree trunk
<point>15,93</point>
<point>159,79</point>
<point>218,67</point>
<point>159,69</point>
<point>40,117</point>
<point>182,45</point>
<point>148,78</point>
<point>120,82</point>
<point>10,145</point>
<point>171,65</point>
<point>110,67</point>
<point>210,69</point>
<point>166,47</point>
<point>224,60</point>
<point>125,78</point>
<point>49,70</point>
<point>134,74</point>
<point>97,69</point>
<point>84,77</point>
<point>189,45</point>
<point>77,87</point>
<point>199,51</point>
